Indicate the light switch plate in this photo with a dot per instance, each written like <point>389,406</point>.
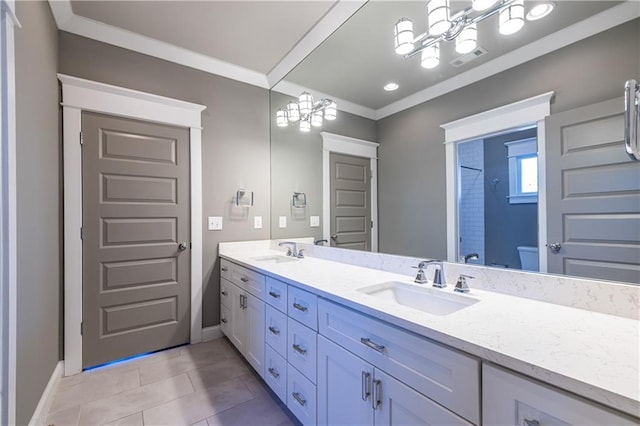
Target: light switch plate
<point>314,221</point>
<point>215,223</point>
<point>257,222</point>
<point>282,222</point>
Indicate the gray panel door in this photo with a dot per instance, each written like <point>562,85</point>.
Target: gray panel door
<point>135,214</point>
<point>350,202</point>
<point>593,192</point>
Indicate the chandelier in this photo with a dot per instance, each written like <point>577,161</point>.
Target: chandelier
<point>461,27</point>
<point>307,112</point>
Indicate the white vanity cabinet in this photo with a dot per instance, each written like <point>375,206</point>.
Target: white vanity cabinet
<point>446,376</point>
<point>509,398</point>
<point>352,391</point>
<point>242,311</point>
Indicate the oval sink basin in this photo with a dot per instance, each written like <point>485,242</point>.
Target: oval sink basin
<point>426,299</point>
<point>275,258</point>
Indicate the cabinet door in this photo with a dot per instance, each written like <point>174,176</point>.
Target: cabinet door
<point>254,332</point>
<point>398,404</point>
<point>344,386</point>
<point>236,317</point>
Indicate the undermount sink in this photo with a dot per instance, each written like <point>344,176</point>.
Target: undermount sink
<point>275,258</point>
<point>426,299</point>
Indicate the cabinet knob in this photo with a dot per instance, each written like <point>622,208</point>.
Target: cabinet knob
<point>244,279</point>
<point>223,320</point>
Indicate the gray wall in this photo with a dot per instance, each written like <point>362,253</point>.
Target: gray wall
<point>296,166</point>
<point>235,138</point>
<point>412,167</point>
<point>38,204</point>
<point>506,225</point>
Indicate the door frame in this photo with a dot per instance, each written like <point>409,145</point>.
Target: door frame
<point>530,111</point>
<point>8,214</point>
<point>339,144</point>
<point>80,95</point>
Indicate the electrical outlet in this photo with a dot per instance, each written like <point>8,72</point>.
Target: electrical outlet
<point>215,223</point>
<point>314,221</point>
<point>257,222</point>
<point>282,222</point>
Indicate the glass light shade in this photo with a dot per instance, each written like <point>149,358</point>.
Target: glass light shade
<point>482,4</point>
<point>281,118</point>
<point>467,40</point>
<point>403,36</point>
<point>331,111</point>
<point>293,113</point>
<point>306,103</point>
<point>431,56</point>
<point>438,17</point>
<point>512,18</point>
<point>540,10</point>
<point>316,119</point>
<point>305,126</point>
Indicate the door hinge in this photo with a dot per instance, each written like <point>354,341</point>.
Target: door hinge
<point>81,139</point>
<point>81,233</point>
<point>371,224</point>
<point>82,328</point>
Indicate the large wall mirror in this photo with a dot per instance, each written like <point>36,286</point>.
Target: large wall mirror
<point>575,210</point>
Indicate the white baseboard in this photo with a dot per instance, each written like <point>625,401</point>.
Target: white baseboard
<point>211,333</point>
<point>40,414</point>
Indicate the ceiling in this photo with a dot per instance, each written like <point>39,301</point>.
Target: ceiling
<point>260,41</point>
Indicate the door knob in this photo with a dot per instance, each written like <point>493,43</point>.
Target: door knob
<point>554,247</point>
<point>182,246</point>
<point>334,237</point>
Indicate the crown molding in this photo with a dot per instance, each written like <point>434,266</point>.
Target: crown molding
<point>595,24</point>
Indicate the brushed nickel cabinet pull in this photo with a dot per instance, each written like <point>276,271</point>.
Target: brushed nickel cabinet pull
<point>274,330</point>
<point>299,349</point>
<point>300,307</point>
<point>244,279</point>
<point>299,398</point>
<point>273,372</point>
<point>376,347</point>
<point>366,385</point>
<point>274,294</point>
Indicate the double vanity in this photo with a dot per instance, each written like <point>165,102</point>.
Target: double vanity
<point>357,342</point>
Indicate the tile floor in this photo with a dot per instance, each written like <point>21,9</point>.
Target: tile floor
<point>204,384</point>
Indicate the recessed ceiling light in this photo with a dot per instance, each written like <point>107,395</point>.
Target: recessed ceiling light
<point>390,87</point>
<point>540,10</point>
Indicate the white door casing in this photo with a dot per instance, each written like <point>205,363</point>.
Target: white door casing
<point>359,148</point>
<point>531,111</point>
<point>83,95</point>
<point>8,214</point>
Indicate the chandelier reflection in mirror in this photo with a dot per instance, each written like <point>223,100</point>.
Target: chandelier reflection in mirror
<point>306,112</point>
<point>461,27</point>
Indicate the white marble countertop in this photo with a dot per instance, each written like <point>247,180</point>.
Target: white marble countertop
<point>590,354</point>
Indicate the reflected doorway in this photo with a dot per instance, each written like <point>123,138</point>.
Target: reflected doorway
<point>497,200</point>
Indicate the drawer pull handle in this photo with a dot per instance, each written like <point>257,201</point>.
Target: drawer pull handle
<point>299,349</point>
<point>274,294</point>
<point>224,293</point>
<point>223,320</point>
<point>300,307</point>
<point>274,330</point>
<point>366,385</point>
<point>528,422</point>
<point>274,372</point>
<point>243,301</point>
<point>224,269</point>
<point>299,398</point>
<point>244,279</point>
<point>367,342</point>
<point>377,394</point>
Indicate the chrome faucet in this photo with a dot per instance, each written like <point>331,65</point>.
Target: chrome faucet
<point>471,256</point>
<point>438,280</point>
<point>292,249</point>
<point>461,285</point>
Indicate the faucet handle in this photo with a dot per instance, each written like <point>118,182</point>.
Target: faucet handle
<point>461,285</point>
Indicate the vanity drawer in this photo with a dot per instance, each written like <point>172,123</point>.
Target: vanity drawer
<point>276,330</point>
<point>244,278</point>
<point>303,307</point>
<point>225,317</point>
<point>275,373</point>
<point>301,396</point>
<point>302,348</point>
<point>225,294</point>
<point>276,294</point>
<point>446,376</point>
<point>509,397</point>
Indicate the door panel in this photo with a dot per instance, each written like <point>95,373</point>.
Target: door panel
<point>593,195</point>
<point>135,213</point>
<point>350,202</point>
